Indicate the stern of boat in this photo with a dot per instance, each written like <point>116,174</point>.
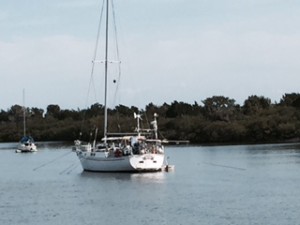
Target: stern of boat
<point>147,162</point>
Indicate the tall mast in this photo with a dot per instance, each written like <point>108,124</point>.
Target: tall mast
<point>106,64</point>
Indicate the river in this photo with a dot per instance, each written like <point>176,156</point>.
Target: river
<point>241,184</point>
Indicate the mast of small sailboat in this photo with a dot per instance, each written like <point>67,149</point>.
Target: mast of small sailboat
<point>24,114</point>
<point>106,68</point>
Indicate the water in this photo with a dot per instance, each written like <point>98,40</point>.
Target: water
<point>250,184</point>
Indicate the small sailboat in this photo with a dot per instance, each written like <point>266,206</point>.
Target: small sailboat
<point>26,144</point>
<point>137,152</point>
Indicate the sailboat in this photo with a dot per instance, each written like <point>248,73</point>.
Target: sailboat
<point>26,144</point>
<point>136,152</point>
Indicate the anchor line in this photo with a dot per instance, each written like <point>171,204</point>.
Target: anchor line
<point>225,166</point>
<point>69,169</point>
<point>51,161</point>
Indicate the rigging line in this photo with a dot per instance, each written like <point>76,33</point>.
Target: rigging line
<point>160,134</point>
<point>119,64</point>
<point>96,52</point>
<point>117,52</point>
<point>91,83</point>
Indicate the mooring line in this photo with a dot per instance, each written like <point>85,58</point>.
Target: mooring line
<point>225,166</point>
<point>66,169</point>
<point>51,161</point>
<point>69,169</point>
<point>73,168</point>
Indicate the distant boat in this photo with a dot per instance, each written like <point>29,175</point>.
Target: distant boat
<point>26,144</point>
<point>122,152</point>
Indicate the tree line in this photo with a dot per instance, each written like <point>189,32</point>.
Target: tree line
<point>216,120</point>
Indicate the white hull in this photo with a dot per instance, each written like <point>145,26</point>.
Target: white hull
<point>26,148</point>
<point>100,162</point>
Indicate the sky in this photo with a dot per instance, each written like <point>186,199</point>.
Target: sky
<point>170,50</point>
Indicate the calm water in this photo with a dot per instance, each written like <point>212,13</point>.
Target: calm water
<point>258,184</point>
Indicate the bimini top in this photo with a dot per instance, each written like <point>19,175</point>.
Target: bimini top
<point>27,139</point>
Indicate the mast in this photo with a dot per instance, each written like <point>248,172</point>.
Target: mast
<point>106,65</point>
<point>24,115</point>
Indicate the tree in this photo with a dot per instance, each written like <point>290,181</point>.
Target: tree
<point>219,108</point>
<point>160,110</point>
<point>95,110</point>
<point>292,99</point>
<point>178,109</point>
<point>123,110</point>
<point>3,116</point>
<point>36,112</point>
<point>53,110</point>
<point>255,104</point>
<point>16,113</point>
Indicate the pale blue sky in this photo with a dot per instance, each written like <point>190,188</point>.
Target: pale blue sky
<point>184,50</point>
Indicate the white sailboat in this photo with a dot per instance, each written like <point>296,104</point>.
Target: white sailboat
<point>26,144</point>
<point>122,153</point>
